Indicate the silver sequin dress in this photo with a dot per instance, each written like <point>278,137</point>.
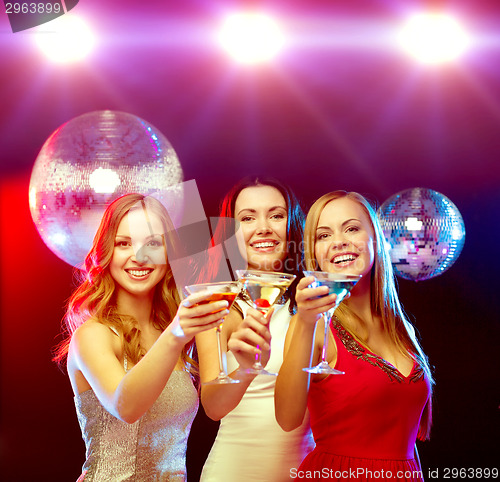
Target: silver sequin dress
<point>151,449</point>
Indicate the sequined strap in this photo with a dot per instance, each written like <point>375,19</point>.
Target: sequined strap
<point>125,361</point>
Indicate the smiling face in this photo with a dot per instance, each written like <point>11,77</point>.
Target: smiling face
<point>139,256</point>
<point>344,238</point>
<point>261,212</point>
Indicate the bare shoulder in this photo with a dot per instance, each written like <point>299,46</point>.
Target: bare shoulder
<point>91,328</point>
<point>92,347</point>
<point>93,335</point>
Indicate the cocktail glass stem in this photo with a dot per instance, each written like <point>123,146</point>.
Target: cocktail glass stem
<point>327,317</point>
<point>258,363</point>
<point>222,377</point>
<point>323,366</point>
<point>222,371</point>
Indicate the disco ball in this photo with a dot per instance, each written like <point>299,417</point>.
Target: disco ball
<point>87,163</point>
<point>424,230</point>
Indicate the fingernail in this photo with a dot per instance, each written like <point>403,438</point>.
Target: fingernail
<point>187,304</point>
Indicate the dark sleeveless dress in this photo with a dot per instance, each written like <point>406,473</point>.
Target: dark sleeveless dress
<point>365,422</point>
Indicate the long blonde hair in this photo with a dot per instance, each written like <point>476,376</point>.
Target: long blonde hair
<point>95,297</point>
<point>384,300</point>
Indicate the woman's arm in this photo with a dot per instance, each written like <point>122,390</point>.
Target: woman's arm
<point>128,395</point>
<point>245,335</point>
<point>292,385</point>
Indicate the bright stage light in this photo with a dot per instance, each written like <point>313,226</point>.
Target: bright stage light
<point>434,38</point>
<point>251,37</point>
<point>65,39</point>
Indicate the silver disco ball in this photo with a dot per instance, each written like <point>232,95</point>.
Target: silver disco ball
<point>425,232</point>
<point>87,163</point>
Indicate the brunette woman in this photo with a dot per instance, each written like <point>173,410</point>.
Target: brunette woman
<point>250,445</point>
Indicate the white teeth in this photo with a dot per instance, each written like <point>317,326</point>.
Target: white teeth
<point>343,258</point>
<point>139,273</point>
<point>264,245</point>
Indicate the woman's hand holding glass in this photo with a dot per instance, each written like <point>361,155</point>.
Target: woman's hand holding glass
<point>252,337</point>
<point>312,302</point>
<point>193,318</point>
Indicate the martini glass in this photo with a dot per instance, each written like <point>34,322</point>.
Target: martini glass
<point>264,288</point>
<point>227,291</point>
<point>340,284</point>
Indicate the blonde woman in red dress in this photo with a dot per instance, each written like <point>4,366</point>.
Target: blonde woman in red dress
<point>365,422</point>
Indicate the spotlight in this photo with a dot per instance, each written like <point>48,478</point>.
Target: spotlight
<point>68,40</point>
<point>434,38</point>
<point>251,38</point>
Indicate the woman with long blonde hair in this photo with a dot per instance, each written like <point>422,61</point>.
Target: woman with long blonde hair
<point>366,421</point>
<point>128,347</point>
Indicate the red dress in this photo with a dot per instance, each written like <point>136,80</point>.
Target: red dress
<point>365,422</point>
